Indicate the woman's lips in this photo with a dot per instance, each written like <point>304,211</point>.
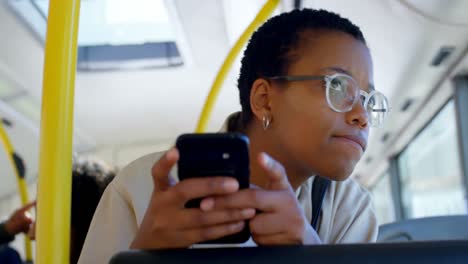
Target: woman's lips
<point>356,141</point>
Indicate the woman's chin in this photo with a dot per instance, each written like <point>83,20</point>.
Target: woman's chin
<point>340,171</point>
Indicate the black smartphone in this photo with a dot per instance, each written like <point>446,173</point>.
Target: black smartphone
<point>220,154</point>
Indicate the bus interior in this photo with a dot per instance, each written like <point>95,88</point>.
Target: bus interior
<point>143,72</point>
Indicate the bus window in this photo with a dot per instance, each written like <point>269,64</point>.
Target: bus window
<point>430,170</point>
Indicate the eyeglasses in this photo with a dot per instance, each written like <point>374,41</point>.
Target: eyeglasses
<point>342,93</point>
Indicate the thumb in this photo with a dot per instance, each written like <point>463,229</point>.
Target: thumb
<point>161,170</point>
<point>275,172</point>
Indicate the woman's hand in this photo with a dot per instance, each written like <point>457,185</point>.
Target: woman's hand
<point>168,224</point>
<point>282,220</point>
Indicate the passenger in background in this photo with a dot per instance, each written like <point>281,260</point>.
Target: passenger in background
<point>19,222</point>
<point>89,180</point>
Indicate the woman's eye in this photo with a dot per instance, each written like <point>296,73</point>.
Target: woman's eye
<point>337,84</point>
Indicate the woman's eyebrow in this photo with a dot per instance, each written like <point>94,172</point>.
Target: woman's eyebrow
<point>341,70</point>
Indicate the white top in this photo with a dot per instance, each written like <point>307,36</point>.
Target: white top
<point>347,214</point>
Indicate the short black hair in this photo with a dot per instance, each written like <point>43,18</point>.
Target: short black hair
<point>89,180</point>
<point>267,53</point>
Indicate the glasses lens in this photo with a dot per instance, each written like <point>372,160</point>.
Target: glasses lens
<point>378,108</point>
<point>342,92</point>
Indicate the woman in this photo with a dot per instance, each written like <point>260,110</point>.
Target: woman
<point>307,103</point>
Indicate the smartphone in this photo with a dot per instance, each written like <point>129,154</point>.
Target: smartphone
<point>220,154</point>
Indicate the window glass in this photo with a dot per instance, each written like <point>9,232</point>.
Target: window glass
<point>430,170</point>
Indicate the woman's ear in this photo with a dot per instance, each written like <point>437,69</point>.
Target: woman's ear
<point>260,99</point>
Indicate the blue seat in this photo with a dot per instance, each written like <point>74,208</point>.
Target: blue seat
<point>426,229</point>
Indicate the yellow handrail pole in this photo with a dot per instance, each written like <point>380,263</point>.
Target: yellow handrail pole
<point>55,155</point>
<point>23,190</point>
<point>261,17</point>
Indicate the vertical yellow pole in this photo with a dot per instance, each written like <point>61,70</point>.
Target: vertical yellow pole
<point>22,188</point>
<point>55,155</point>
<point>261,17</point>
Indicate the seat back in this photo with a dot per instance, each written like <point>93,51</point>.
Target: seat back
<point>426,229</point>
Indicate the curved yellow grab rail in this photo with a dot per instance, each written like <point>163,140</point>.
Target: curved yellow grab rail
<point>23,190</point>
<point>55,155</point>
<point>261,17</point>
